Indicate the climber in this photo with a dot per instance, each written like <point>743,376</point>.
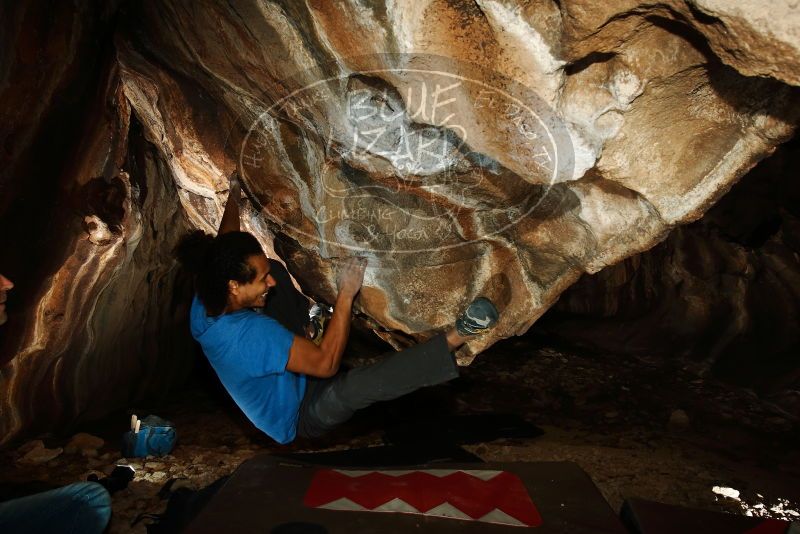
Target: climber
<point>83,507</point>
<point>284,383</point>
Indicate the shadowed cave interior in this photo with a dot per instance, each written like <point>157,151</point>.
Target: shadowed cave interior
<point>649,301</point>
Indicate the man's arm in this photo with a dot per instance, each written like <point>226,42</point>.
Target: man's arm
<point>230,217</point>
<point>323,360</point>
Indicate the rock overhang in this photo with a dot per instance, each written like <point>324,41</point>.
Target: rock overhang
<point>660,109</point>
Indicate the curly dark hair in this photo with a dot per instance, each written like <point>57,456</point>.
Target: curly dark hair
<point>214,261</point>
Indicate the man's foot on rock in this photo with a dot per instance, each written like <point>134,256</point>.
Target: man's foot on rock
<point>479,316</point>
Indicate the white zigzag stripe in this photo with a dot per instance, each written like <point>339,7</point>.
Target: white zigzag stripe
<point>344,504</point>
<point>445,510</point>
<point>397,505</point>
<point>484,474</point>
<point>499,516</point>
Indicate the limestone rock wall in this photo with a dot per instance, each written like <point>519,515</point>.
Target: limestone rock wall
<point>648,127</point>
<point>89,217</point>
<point>722,294</point>
<point>491,148</point>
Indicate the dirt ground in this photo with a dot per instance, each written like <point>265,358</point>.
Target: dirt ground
<point>638,427</point>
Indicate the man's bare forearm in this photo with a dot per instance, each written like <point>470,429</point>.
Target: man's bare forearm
<point>351,276</point>
<point>337,331</point>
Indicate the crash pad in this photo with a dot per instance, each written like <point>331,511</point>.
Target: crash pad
<point>275,494</point>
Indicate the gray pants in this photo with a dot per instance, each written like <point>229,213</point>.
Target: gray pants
<point>329,402</point>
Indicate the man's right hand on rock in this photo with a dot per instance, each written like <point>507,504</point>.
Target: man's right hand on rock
<point>351,276</point>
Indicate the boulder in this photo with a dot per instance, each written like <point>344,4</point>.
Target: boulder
<point>466,148</point>
<point>85,444</point>
<point>40,455</point>
<point>678,421</point>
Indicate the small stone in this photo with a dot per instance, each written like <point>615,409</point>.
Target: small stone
<point>678,421</point>
<point>84,443</point>
<point>29,446</point>
<point>94,463</point>
<point>155,466</point>
<point>726,492</point>
<point>611,415</point>
<point>157,476</point>
<point>40,455</point>
<point>57,464</point>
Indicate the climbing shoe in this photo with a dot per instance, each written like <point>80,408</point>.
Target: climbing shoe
<point>479,316</point>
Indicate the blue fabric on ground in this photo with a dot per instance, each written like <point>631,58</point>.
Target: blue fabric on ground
<point>249,352</point>
<point>81,508</point>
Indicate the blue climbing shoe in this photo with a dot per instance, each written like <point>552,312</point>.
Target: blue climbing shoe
<point>479,316</point>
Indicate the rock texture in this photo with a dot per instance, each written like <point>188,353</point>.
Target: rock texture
<point>94,312</point>
<point>489,148</point>
<point>648,127</point>
<point>723,292</point>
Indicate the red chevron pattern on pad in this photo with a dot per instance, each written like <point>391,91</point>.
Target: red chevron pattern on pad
<point>488,496</point>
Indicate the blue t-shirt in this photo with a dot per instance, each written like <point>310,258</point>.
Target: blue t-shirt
<point>249,352</point>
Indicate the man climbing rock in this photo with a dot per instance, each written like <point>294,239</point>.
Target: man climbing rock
<point>284,383</point>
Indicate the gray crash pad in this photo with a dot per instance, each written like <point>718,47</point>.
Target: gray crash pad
<point>274,494</point>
